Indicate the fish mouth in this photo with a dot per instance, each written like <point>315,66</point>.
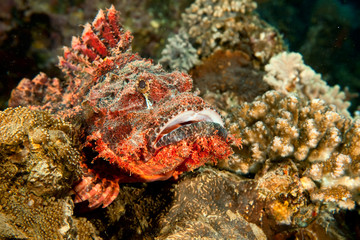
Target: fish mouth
<point>190,125</point>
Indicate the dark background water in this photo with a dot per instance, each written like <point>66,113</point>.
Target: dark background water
<point>325,32</point>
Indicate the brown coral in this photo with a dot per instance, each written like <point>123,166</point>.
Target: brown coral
<point>230,24</point>
<point>231,72</point>
<point>285,194</point>
<point>43,145</point>
<point>218,204</point>
<point>30,217</point>
<point>210,205</point>
<point>49,220</point>
<point>38,160</point>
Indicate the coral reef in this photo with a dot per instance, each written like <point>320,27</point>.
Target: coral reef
<point>210,203</point>
<point>222,24</point>
<point>38,165</point>
<point>228,71</point>
<point>297,175</point>
<point>308,28</point>
<point>321,142</point>
<point>44,145</point>
<point>179,54</point>
<point>286,73</point>
<point>139,122</point>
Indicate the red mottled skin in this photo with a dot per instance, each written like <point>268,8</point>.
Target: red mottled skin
<point>121,101</point>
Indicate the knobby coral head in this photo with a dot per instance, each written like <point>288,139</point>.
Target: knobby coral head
<point>140,123</point>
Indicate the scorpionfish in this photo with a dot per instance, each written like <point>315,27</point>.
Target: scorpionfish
<point>137,122</point>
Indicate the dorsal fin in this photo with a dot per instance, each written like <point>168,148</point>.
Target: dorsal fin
<point>101,45</point>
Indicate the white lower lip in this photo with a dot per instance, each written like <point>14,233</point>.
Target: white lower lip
<point>206,115</point>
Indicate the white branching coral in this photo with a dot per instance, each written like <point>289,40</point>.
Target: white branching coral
<point>286,73</point>
<point>324,145</point>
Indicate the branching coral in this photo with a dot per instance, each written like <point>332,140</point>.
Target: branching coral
<point>179,54</point>
<point>323,144</point>
<point>286,72</point>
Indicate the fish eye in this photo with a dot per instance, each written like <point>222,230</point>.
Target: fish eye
<point>142,85</point>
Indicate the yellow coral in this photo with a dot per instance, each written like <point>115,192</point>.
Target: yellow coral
<point>43,144</point>
<point>38,161</point>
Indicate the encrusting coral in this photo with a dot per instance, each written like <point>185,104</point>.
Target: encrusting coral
<point>286,73</point>
<point>227,71</point>
<point>214,23</point>
<point>41,143</point>
<point>321,142</point>
<point>29,217</point>
<point>38,165</point>
<point>223,23</point>
<point>208,205</point>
